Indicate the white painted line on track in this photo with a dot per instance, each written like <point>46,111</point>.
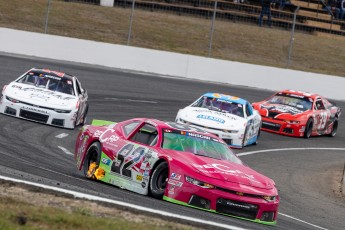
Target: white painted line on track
<point>302,221</point>
<point>133,206</point>
<point>62,135</point>
<point>131,100</point>
<point>292,149</point>
<point>65,150</point>
<point>287,149</point>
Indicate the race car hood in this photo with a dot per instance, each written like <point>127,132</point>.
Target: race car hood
<point>222,170</point>
<point>210,118</point>
<point>39,96</point>
<point>279,111</point>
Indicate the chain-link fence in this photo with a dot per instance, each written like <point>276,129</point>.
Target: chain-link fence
<point>301,34</point>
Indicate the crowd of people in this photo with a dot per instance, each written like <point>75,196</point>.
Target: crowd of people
<point>337,8</point>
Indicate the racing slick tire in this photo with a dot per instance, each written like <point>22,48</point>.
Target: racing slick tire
<point>308,128</point>
<point>334,128</point>
<point>257,139</point>
<point>244,137</point>
<point>158,180</point>
<point>84,116</point>
<point>92,160</point>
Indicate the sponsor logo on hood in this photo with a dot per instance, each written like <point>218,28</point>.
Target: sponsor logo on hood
<point>211,118</point>
<point>282,109</point>
<point>222,114</point>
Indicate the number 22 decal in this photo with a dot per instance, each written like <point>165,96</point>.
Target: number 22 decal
<point>126,158</point>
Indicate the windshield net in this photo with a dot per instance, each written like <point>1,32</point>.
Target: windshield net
<point>220,105</point>
<point>198,144</point>
<point>300,102</point>
<point>48,81</point>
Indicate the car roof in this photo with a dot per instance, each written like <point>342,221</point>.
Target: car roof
<point>226,97</point>
<point>52,72</point>
<point>300,93</point>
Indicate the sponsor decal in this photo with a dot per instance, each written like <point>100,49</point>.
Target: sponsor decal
<point>143,184</point>
<point>16,86</point>
<point>98,133</point>
<point>112,138</point>
<point>40,93</point>
<point>34,109</point>
<point>223,114</point>
<point>175,176</point>
<point>175,183</point>
<point>241,206</point>
<point>198,136</point>
<point>146,173</point>
<point>171,189</point>
<point>139,178</point>
<point>106,161</point>
<point>211,118</point>
<point>282,109</point>
<point>52,77</point>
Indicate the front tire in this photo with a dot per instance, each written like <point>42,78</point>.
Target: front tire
<point>92,159</point>
<point>83,121</point>
<point>308,128</point>
<point>334,128</point>
<point>257,138</point>
<point>158,180</point>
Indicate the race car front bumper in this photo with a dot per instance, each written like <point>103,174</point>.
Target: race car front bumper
<point>226,202</point>
<point>282,127</point>
<point>45,115</point>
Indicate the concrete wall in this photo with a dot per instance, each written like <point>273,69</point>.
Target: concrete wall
<point>168,63</point>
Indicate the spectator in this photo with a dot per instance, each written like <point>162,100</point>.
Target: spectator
<point>265,10</point>
<point>340,9</point>
<point>281,4</point>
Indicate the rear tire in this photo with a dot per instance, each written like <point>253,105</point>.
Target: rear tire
<point>334,128</point>
<point>158,180</point>
<point>92,160</point>
<point>308,128</point>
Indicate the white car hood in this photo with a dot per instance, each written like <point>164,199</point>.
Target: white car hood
<point>40,96</point>
<point>210,118</point>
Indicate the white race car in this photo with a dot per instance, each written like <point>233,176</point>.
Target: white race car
<point>46,96</point>
<point>231,118</point>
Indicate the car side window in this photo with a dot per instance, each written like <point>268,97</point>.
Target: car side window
<point>319,105</point>
<point>130,127</point>
<point>146,135</point>
<point>78,88</point>
<point>249,110</point>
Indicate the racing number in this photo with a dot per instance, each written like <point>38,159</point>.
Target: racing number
<point>323,120</point>
<point>126,158</point>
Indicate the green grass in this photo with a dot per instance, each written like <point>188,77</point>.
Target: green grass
<point>22,215</point>
<point>321,53</point>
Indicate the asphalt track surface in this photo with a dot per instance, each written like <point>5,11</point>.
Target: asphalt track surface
<point>307,178</point>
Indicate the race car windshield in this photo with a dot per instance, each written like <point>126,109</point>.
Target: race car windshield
<point>301,103</point>
<point>50,82</point>
<point>220,105</point>
<point>198,144</point>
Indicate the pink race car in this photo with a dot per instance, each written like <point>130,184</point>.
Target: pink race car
<point>176,163</point>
